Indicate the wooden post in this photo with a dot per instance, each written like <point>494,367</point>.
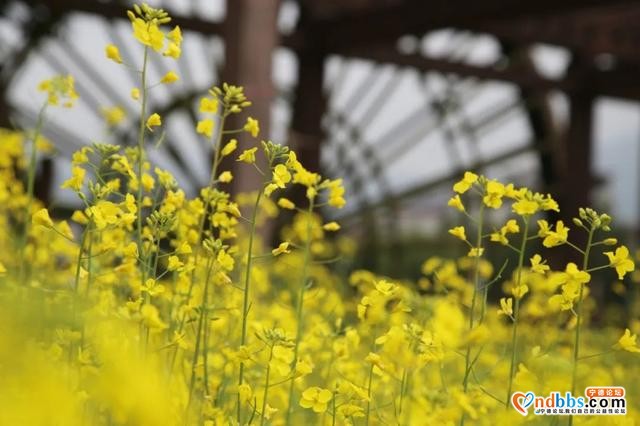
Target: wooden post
<point>251,36</point>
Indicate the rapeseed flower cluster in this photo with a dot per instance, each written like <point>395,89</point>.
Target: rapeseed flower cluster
<point>152,307</point>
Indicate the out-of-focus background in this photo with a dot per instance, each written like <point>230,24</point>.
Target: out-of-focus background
<point>399,97</point>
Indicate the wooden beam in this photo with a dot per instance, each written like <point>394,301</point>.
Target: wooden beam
<point>116,10</point>
<point>366,28</point>
<point>619,83</point>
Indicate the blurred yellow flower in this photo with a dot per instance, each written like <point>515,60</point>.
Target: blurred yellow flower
<point>458,232</point>
<point>316,398</point>
<point>112,52</point>
<point>76,180</point>
<point>169,77</point>
<point>114,115</point>
<point>229,147</point>
<point>225,177</point>
<point>248,156</point>
<point>456,203</point>
<point>281,249</point>
<point>285,203</point>
<point>208,105</point>
<point>154,120</point>
<point>331,226</point>
<point>628,342</point>
<point>506,306</point>
<point>205,127</point>
<point>41,217</point>
<point>252,127</point>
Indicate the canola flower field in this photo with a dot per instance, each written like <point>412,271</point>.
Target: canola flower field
<point>151,308</point>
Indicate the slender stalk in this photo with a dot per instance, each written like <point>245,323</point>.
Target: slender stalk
<point>212,179</point>
<point>476,284</point>
<point>141,133</point>
<point>196,256</point>
<point>196,350</point>
<point>576,345</point>
<point>245,302</point>
<point>333,414</point>
<point>403,386</point>
<point>266,386</point>
<point>300,303</point>
<point>89,254</point>
<point>516,310</point>
<point>31,179</point>
<point>369,387</point>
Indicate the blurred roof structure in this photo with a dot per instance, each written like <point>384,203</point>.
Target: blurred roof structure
<point>368,82</point>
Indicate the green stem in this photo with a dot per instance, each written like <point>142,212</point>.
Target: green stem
<point>300,304</point>
<point>266,386</point>
<point>576,346</point>
<point>31,179</point>
<point>196,256</point>
<point>196,350</point>
<point>333,414</point>
<point>141,133</point>
<point>403,386</point>
<point>89,253</point>
<point>369,394</point>
<point>516,310</point>
<point>245,301</point>
<point>476,284</point>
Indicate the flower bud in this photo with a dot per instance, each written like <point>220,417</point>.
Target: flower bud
<point>577,221</point>
<point>610,242</point>
<point>582,213</point>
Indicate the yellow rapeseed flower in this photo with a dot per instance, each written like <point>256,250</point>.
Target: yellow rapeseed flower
<point>281,249</point>
<point>281,175</point>
<point>205,127</point>
<point>208,105</point>
<point>628,342</point>
<point>494,193</point>
<point>154,120</point>
<point>463,185</point>
<point>41,217</point>
<point>170,77</point>
<point>248,156</point>
<point>112,52</point>
<point>538,265</point>
<point>458,232</point>
<point>76,180</point>
<point>557,237</point>
<point>230,147</point>
<point>506,306</point>
<point>148,34</point>
<point>621,261</point>
<point>252,127</point>
<point>316,398</point>
<point>114,115</point>
<point>456,203</point>
<point>331,226</point>
<point>285,203</point>
<point>225,177</point>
